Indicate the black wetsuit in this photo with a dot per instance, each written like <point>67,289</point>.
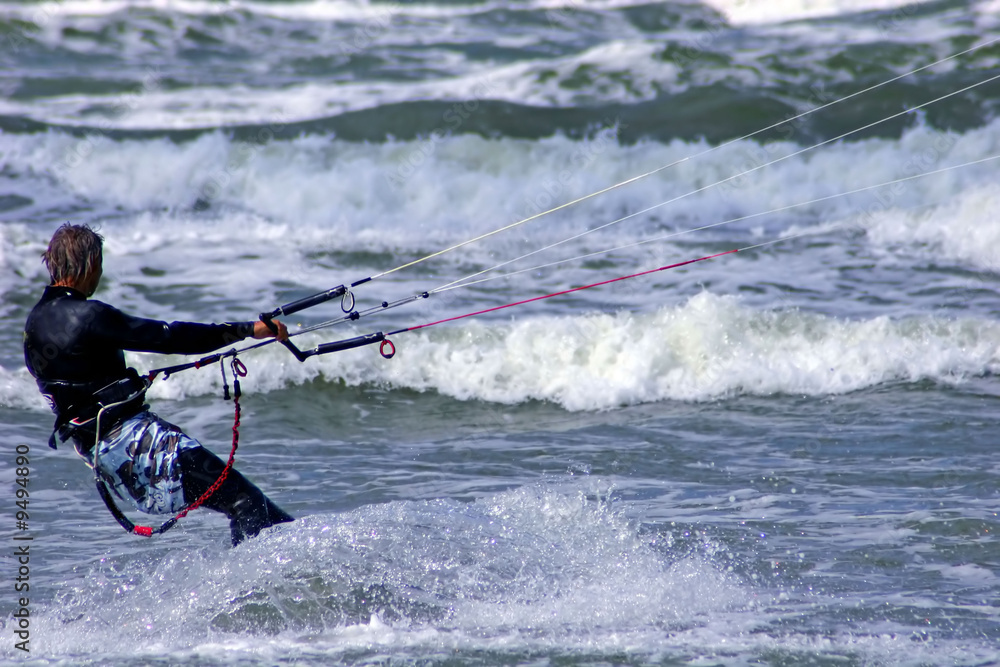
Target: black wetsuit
<point>74,347</point>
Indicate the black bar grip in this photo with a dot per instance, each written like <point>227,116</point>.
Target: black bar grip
<point>302,304</point>
<point>267,319</point>
<point>347,344</point>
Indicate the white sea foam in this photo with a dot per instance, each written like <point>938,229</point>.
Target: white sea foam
<point>319,194</point>
<point>321,10</point>
<point>741,12</point>
<point>624,66</point>
<point>510,564</point>
<point>149,106</point>
<point>707,348</point>
<point>965,230</point>
<point>531,569</point>
<point>737,11</point>
<point>287,206</point>
<point>969,575</point>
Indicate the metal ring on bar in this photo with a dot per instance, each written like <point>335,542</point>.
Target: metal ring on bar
<point>347,301</point>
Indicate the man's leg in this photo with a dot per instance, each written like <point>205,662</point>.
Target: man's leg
<point>248,509</point>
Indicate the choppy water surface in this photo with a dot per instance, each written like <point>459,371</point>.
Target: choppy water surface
<point>781,456</point>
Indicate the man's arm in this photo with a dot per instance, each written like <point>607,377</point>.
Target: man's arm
<point>126,332</point>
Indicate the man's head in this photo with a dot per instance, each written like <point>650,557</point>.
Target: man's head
<point>74,258</point>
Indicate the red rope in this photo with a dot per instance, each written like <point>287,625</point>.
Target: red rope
<point>239,370</point>
<point>569,291</point>
<point>225,471</point>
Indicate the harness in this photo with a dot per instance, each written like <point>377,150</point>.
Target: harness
<point>111,405</point>
<point>118,400</point>
<point>239,370</point>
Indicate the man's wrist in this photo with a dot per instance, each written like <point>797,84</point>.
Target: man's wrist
<point>242,330</point>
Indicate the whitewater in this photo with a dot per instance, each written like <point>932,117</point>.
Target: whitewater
<point>784,455</point>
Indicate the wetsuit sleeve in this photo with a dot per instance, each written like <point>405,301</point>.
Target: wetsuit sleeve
<point>115,328</point>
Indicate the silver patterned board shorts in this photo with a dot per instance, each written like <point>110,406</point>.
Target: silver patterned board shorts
<point>138,460</point>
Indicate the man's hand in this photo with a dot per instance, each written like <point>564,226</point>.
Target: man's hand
<point>261,330</point>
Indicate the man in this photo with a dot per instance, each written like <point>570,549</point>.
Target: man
<point>74,347</point>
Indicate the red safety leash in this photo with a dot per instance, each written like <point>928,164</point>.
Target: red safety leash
<point>239,370</point>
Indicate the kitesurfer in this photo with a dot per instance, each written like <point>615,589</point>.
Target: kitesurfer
<point>74,347</point>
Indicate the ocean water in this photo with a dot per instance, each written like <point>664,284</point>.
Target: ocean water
<point>781,456</point>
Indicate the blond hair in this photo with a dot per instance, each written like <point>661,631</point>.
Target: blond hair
<point>73,253</point>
